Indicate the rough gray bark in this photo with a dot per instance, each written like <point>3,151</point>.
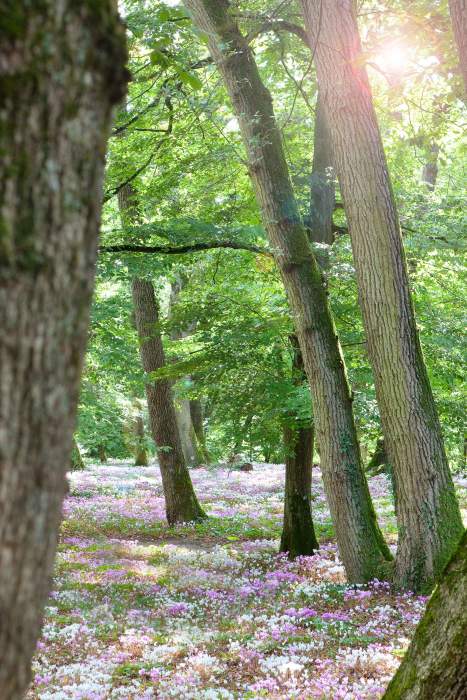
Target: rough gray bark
<point>428,513</point>
<point>62,69</point>
<point>298,534</point>
<point>180,500</point>
<point>361,544</point>
<point>458,10</point>
<point>435,665</point>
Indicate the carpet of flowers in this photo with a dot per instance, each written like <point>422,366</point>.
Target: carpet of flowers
<point>210,611</point>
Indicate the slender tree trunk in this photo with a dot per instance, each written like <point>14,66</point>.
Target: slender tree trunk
<point>379,457</point>
<point>361,544</point>
<point>77,462</point>
<point>458,10</point>
<point>180,499</point>
<point>298,534</point>
<point>196,410</point>
<point>182,405</point>
<point>141,453</point>
<point>435,665</point>
<point>102,453</point>
<point>430,169</point>
<point>322,186</point>
<point>428,513</point>
<point>62,69</point>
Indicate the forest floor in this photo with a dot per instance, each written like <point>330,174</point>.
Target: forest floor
<point>210,611</point>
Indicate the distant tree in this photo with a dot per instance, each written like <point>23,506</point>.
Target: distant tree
<point>181,503</point>
<point>298,535</point>
<point>62,66</point>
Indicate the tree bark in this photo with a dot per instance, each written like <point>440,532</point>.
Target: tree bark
<point>141,453</point>
<point>180,499</point>
<point>62,69</point>
<point>298,534</point>
<point>458,11</point>
<point>77,462</point>
<point>361,544</point>
<point>379,457</point>
<point>430,169</point>
<point>428,513</point>
<point>182,405</point>
<point>322,187</point>
<point>196,411</point>
<point>435,665</point>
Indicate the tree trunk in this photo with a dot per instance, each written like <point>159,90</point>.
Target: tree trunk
<point>430,169</point>
<point>458,10</point>
<point>62,69</point>
<point>180,499</point>
<point>182,405</point>
<point>361,544</point>
<point>102,453</point>
<point>322,186</point>
<point>196,410</point>
<point>141,453</point>
<point>435,665</point>
<point>379,457</point>
<point>77,462</point>
<point>298,534</point>
<point>428,513</point>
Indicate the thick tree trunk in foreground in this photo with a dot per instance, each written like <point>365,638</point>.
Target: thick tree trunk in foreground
<point>428,514</point>
<point>435,665</point>
<point>62,69</point>
<point>361,544</point>
<point>180,500</point>
<point>458,10</point>
<point>298,534</point>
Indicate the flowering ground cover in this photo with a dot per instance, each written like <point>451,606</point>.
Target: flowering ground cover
<point>211,611</point>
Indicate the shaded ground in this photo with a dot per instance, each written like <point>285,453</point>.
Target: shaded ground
<point>210,611</point>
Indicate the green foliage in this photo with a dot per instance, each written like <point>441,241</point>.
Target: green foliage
<point>180,146</point>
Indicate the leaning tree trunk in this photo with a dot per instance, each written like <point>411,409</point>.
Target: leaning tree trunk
<point>428,513</point>
<point>180,500</point>
<point>361,544</point>
<point>298,534</point>
<point>458,10</point>
<point>435,665</point>
<point>62,66</point>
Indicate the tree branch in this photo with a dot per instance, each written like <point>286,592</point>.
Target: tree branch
<point>178,250</point>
